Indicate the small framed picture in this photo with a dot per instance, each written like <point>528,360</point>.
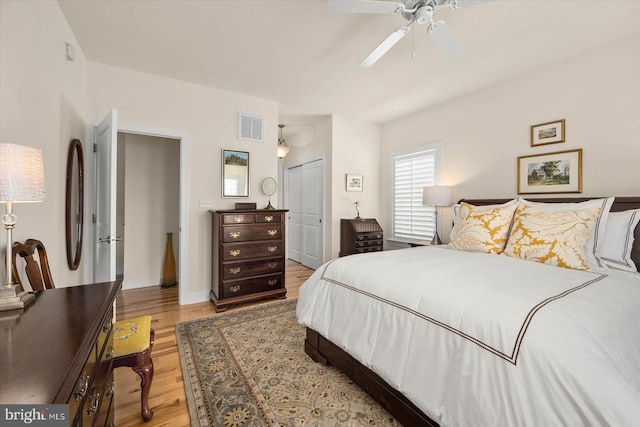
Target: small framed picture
<point>559,172</point>
<point>354,182</point>
<point>547,133</point>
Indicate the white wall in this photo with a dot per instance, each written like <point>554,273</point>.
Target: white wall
<point>210,119</point>
<point>356,150</point>
<point>151,207</point>
<point>483,133</point>
<point>42,105</point>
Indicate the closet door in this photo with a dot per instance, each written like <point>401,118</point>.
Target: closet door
<point>294,225</point>
<point>312,211</point>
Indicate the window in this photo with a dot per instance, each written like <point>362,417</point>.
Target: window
<point>410,172</point>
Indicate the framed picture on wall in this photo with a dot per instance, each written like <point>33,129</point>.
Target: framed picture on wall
<point>559,172</point>
<point>354,182</point>
<point>235,173</point>
<point>547,133</point>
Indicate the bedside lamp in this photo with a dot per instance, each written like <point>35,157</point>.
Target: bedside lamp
<point>21,181</point>
<point>436,196</point>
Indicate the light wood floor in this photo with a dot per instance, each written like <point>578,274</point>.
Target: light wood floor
<point>167,396</point>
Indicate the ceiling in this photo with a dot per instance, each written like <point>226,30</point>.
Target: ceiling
<point>306,59</point>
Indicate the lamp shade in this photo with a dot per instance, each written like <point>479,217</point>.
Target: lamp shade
<point>283,150</point>
<point>436,195</point>
<point>21,174</point>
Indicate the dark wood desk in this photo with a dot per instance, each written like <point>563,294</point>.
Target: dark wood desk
<point>59,350</point>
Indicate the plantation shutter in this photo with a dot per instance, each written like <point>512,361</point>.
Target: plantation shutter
<point>412,172</point>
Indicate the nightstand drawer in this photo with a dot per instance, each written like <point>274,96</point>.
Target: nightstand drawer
<point>368,236</point>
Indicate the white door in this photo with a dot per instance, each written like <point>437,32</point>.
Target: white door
<point>104,263</point>
<point>294,225</point>
<point>312,229</point>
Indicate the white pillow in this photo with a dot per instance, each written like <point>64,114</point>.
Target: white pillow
<point>615,250</point>
<point>597,235</point>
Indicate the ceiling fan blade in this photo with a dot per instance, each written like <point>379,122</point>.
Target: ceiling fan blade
<point>459,4</point>
<point>446,41</point>
<point>383,47</point>
<point>363,6</point>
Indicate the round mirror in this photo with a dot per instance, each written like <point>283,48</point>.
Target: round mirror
<point>269,187</point>
<point>74,209</point>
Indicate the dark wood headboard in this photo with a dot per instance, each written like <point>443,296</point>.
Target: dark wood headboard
<point>619,204</point>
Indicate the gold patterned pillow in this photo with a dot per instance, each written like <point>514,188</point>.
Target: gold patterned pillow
<point>483,228</point>
<point>556,238</point>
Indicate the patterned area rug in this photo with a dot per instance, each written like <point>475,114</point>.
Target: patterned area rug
<point>248,367</point>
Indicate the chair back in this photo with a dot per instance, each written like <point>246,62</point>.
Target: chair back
<point>39,275</point>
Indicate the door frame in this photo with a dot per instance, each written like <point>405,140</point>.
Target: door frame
<point>183,238</point>
<point>323,196</point>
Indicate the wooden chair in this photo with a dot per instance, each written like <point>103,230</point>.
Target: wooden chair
<point>133,338</point>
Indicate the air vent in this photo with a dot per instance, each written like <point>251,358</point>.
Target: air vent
<point>250,127</point>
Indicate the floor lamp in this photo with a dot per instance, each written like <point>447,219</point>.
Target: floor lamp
<point>436,196</point>
<point>21,181</point>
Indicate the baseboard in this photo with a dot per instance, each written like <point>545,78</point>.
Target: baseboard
<point>141,283</point>
<point>196,297</point>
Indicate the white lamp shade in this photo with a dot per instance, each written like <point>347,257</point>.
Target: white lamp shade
<point>283,150</point>
<point>21,174</point>
<point>436,195</point>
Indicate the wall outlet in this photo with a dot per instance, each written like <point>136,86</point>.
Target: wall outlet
<point>206,204</point>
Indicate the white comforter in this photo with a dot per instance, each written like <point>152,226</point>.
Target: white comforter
<point>486,340</point>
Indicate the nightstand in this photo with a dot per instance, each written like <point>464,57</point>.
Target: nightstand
<point>419,243</point>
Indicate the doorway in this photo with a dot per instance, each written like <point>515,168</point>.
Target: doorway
<point>305,195</point>
<point>148,188</point>
<point>105,188</point>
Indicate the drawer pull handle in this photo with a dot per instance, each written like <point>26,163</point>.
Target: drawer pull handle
<point>272,248</point>
<point>106,325</point>
<point>235,288</point>
<point>272,232</point>
<point>360,237</point>
<point>272,282</point>
<point>81,387</point>
<point>268,218</point>
<point>234,270</point>
<point>234,252</point>
<point>109,391</point>
<point>110,352</point>
<point>379,236</point>
<point>93,403</point>
<point>234,234</point>
<point>238,219</point>
<point>272,265</point>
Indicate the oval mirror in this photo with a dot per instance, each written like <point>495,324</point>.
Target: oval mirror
<point>74,209</point>
<point>269,187</point>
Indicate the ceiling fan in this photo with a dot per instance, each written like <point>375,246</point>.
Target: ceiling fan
<point>420,11</point>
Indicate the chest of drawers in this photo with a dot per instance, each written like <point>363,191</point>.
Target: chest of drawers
<point>248,250</point>
<point>60,350</point>
<point>360,235</point>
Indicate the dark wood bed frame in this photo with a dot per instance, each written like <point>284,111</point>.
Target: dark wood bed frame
<point>324,351</point>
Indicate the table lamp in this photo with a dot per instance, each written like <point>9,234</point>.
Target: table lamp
<point>436,196</point>
<point>21,181</point>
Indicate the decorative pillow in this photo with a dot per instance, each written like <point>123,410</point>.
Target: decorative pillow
<point>615,250</point>
<point>597,233</point>
<point>556,238</point>
<point>483,228</point>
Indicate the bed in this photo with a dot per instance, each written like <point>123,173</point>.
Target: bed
<point>440,336</point>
